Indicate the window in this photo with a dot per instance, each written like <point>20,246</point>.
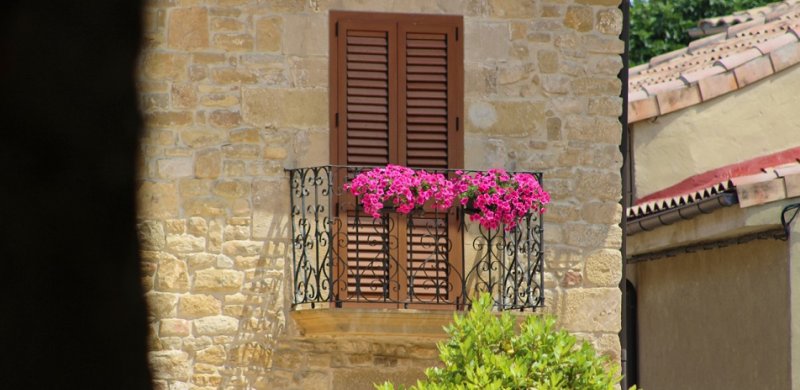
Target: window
<point>396,97</point>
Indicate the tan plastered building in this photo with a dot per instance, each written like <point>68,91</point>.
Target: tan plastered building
<point>238,95</point>
<point>712,250</point>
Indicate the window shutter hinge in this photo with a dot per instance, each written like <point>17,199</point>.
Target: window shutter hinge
<point>337,29</point>
<point>458,120</point>
<point>337,120</point>
<point>456,33</point>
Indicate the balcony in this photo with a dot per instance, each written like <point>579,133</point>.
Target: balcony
<point>428,259</point>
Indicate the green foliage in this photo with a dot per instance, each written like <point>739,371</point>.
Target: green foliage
<point>485,352</point>
<point>661,26</point>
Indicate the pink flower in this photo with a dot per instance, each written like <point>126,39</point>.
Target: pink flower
<point>499,197</point>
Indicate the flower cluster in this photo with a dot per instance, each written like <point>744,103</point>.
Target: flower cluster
<point>402,187</point>
<point>496,196</point>
<point>500,198</point>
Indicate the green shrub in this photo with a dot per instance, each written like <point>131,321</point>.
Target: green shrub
<point>485,352</point>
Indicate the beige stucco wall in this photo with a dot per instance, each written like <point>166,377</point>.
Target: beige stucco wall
<point>758,120</point>
<point>716,319</point>
<point>234,91</point>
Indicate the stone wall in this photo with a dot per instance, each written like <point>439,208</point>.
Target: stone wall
<point>234,91</point>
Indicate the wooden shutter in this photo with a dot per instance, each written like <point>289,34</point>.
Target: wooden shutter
<point>430,86</point>
<point>396,97</point>
<point>366,97</point>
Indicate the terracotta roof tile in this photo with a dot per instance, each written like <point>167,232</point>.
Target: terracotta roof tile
<point>785,57</point>
<point>711,87</point>
<point>764,36</point>
<point>642,109</point>
<point>677,99</point>
<point>753,71</point>
<point>775,183</point>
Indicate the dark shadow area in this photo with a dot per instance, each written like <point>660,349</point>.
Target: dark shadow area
<point>73,311</point>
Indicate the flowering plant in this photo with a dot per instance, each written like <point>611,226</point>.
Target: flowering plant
<point>500,198</point>
<point>495,195</point>
<point>402,187</point>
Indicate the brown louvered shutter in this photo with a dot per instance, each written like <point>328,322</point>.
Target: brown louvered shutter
<point>430,84</point>
<point>365,104</point>
<point>396,97</point>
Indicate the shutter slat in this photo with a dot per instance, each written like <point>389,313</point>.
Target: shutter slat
<point>427,44</point>
<point>370,58</point>
<point>426,61</point>
<point>367,100</point>
<point>367,66</point>
<point>426,103</point>
<point>367,118</point>
<point>364,75</point>
<point>429,154</point>
<point>430,78</point>
<point>428,145</point>
<point>428,119</point>
<point>426,94</point>
<point>366,41</point>
<point>366,92</point>
<point>427,69</point>
<point>427,86</point>
<point>427,137</point>
<point>373,143</point>
<point>367,109</point>
<point>426,53</point>
<point>367,50</point>
<point>437,37</point>
<point>427,128</point>
<point>418,111</point>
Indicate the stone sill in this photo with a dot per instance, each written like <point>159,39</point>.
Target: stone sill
<point>372,322</point>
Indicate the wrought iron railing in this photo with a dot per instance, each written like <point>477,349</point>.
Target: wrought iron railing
<point>428,259</point>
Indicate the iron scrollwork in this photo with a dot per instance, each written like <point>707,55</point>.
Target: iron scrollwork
<point>340,256</point>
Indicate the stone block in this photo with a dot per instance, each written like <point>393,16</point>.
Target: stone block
<point>182,243</point>
<point>602,130</point>
<point>197,226</point>
<point>214,280</point>
<point>174,168</point>
<point>158,200</point>
<point>174,327</point>
<point>242,248</point>
<point>225,119</point>
<point>151,235</point>
<point>205,207</point>
<point>161,305</point>
<point>165,66</point>
<point>596,86</point>
<point>309,71</point>
<point>198,305</point>
<point>232,42</point>
<point>486,41</point>
<point>200,260</point>
<point>214,354</point>
<point>227,24</point>
<point>285,107</point>
<point>208,164</point>
<point>201,138</point>
<point>301,35</point>
<point>269,34</point>
<point>187,28</point>
<point>169,364</point>
<point>169,119</point>
<point>216,325</point>
<point>579,18</point>
<point>514,9</point>
<point>602,212</point>
<point>231,188</point>
<point>223,101</point>
<point>591,310</point>
<point>172,275</point>
<point>604,268</point>
<point>609,21</point>
<point>548,61</point>
<point>520,119</point>
<point>606,106</point>
<point>233,76</point>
